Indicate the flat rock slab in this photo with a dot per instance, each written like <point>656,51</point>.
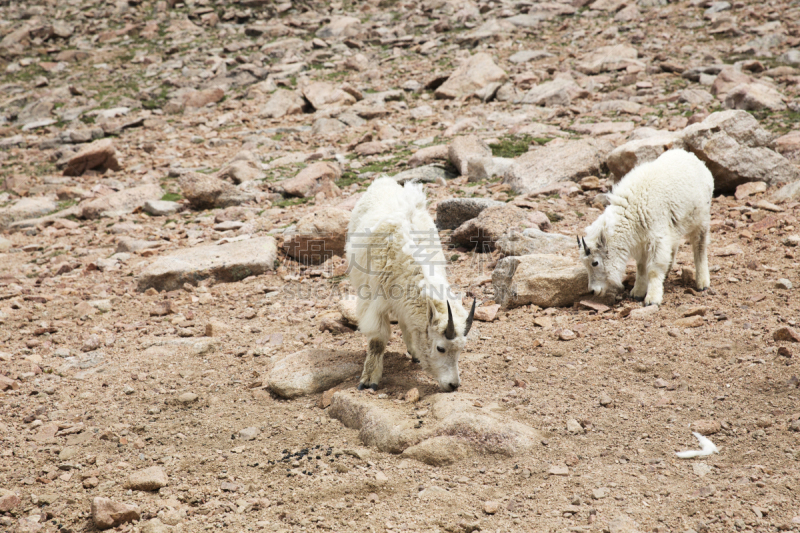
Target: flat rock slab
<point>565,161</point>
<point>453,429</point>
<point>539,279</point>
<point>313,370</point>
<point>228,262</point>
<point>425,174</point>
<point>100,155</point>
<point>121,202</point>
<point>534,241</point>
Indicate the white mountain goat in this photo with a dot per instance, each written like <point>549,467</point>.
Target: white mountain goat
<point>651,209</point>
<point>397,266</point>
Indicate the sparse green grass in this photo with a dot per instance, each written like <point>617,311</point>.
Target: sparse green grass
<point>172,197</point>
<point>511,146</point>
<point>66,204</point>
<point>554,217</point>
<point>288,202</point>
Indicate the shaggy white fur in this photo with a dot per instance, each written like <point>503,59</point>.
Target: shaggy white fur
<point>651,209</point>
<point>397,266</point>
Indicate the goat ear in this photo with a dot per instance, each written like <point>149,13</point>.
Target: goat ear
<point>430,313</point>
<point>601,241</point>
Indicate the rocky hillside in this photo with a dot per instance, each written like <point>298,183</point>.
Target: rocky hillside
<point>178,345</point>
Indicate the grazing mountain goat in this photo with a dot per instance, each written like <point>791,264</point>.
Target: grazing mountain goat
<point>397,266</point>
<point>651,209</point>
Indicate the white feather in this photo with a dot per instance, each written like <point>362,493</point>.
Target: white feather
<point>706,448</point>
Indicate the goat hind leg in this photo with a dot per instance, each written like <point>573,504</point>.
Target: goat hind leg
<point>373,365</point>
<point>657,266</point>
<point>700,249</point>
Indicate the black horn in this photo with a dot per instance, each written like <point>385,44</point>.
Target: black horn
<point>469,318</point>
<point>586,248</point>
<point>450,330</point>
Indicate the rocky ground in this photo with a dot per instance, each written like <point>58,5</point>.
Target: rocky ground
<point>177,341</point>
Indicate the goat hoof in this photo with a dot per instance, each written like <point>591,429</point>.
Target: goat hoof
<point>361,386</point>
<point>374,386</point>
<point>638,298</point>
<point>414,360</point>
<point>703,289</point>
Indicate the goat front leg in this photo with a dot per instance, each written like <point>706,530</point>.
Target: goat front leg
<point>700,250</point>
<point>657,265</point>
<point>639,290</point>
<point>373,366</point>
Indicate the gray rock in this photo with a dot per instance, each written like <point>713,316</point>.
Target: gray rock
<point>161,208</point>
<point>240,171</point>
<point>624,523</point>
<point>339,28</point>
<point>733,146</point>
<point>463,149</point>
<point>107,513</point>
<point>322,95</point>
<point>318,236</point>
<point>425,174</point>
<point>121,202</point>
<point>317,177</point>
<point>26,208</point>
<point>534,241</point>
<point>754,97</point>
<point>565,161</point>
<point>282,103</point>
<point>524,56</point>
<point>609,58</point>
<point>228,262</point>
<point>791,57</point>
<point>249,433</point>
<point>154,525</point>
<point>483,231</point>
<point>313,370</point>
<point>325,127</point>
<point>453,212</point>
<point>454,430</point>
<point>207,192</point>
<point>788,193</point>
<point>100,155</point>
<point>152,478</point>
<point>784,284</point>
<point>543,280</point>
<point>559,91</point>
<point>5,245</point>
<point>128,245</point>
<point>624,158</point>
<point>473,74</point>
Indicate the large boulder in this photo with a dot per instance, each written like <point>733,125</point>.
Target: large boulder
<point>453,212</point>
<point>534,241</point>
<point>322,94</point>
<point>560,91</point>
<point>624,158</point>
<point>207,192</point>
<point>609,58</point>
<point>26,208</point>
<point>454,428</point>
<point>313,370</point>
<point>539,279</point>
<point>340,28</point>
<point>121,202</point>
<point>462,149</point>
<point>734,148</point>
<point>107,513</point>
<point>240,171</point>
<point>282,103</point>
<point>227,262</point>
<point>554,162</point>
<point>472,75</point>
<point>484,230</point>
<point>754,97</point>
<point>426,174</point>
<point>99,155</point>
<point>789,145</point>
<point>320,176</point>
<point>318,236</point>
